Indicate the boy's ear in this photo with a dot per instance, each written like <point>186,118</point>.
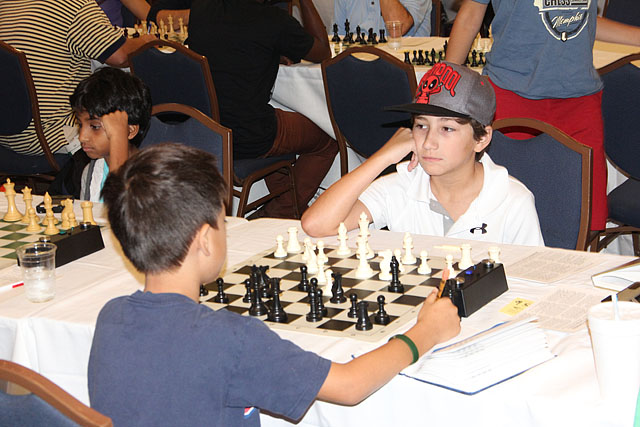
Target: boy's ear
<point>482,143</point>
<point>203,241</point>
<point>133,131</point>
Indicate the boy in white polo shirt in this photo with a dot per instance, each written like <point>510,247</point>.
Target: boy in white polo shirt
<point>450,187</point>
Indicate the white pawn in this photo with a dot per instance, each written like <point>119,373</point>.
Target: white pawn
<point>407,244</point>
<point>321,255</point>
<point>494,254</point>
<point>424,264</point>
<point>398,254</point>
<point>465,259</point>
<point>364,270</point>
<point>329,278</point>
<point>65,224</point>
<point>343,249</point>
<point>307,248</point>
<point>72,219</point>
<point>385,265</point>
<point>293,245</point>
<point>33,221</point>
<point>449,260</point>
<point>312,262</point>
<point>51,225</point>
<point>280,252</point>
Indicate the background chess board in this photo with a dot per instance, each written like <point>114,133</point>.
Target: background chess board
<point>402,308</point>
<point>13,235</point>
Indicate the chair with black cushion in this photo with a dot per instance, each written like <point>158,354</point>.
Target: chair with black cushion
<point>625,11</point>
<point>557,169</point>
<point>436,18</point>
<point>176,74</point>
<point>18,108</point>
<point>46,404</point>
<point>621,111</point>
<point>358,84</point>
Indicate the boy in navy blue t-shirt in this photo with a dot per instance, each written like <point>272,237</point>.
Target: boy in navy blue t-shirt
<point>160,358</point>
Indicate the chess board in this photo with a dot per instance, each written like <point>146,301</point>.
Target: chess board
<point>401,307</point>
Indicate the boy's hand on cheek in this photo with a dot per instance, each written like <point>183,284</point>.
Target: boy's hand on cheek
<point>400,144</point>
<point>116,125</point>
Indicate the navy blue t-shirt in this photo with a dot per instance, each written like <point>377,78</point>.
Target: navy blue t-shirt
<point>162,359</point>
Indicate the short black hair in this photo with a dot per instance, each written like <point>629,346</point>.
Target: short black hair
<point>159,199</point>
<point>111,89</point>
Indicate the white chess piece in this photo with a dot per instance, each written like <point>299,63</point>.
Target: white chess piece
<point>364,270</point>
<point>293,245</point>
<point>363,223</point>
<point>343,249</point>
<point>320,275</point>
<point>87,212</point>
<point>33,221</point>
<point>494,254</point>
<point>72,220</point>
<point>407,244</point>
<point>312,262</point>
<point>307,248</point>
<point>465,259</point>
<point>449,261</point>
<point>321,254</point>
<point>51,225</point>
<point>398,255</point>
<point>424,267</point>
<point>280,252</point>
<point>385,264</point>
<point>26,198</point>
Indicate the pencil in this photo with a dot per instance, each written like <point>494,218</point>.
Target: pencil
<point>445,276</point>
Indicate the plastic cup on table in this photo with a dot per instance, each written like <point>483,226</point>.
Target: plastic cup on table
<point>615,337</point>
<point>394,34</point>
<point>38,265</point>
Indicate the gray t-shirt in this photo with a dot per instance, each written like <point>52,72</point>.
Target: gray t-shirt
<point>543,51</point>
<point>162,359</point>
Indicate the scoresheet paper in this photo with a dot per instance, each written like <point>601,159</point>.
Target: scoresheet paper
<point>549,267</point>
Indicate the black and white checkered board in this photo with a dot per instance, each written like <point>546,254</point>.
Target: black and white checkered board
<point>400,307</point>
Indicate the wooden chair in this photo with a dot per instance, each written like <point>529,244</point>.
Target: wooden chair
<point>436,18</point>
<point>47,404</point>
<point>357,89</point>
<point>18,108</point>
<point>620,111</point>
<point>181,76</point>
<point>557,169</point>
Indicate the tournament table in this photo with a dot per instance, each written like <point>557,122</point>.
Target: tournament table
<point>54,338</point>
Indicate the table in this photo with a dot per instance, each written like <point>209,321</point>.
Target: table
<point>54,338</point>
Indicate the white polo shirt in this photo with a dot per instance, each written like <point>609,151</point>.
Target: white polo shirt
<point>503,212</point>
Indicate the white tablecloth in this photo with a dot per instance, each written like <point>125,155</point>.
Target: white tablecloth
<point>54,338</point>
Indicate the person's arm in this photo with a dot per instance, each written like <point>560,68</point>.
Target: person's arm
<point>464,31</point>
<point>340,202</point>
<point>393,10</point>
<point>617,32</point>
<point>119,132</point>
<point>351,382</point>
<point>140,8</point>
<point>313,25</point>
<point>120,58</point>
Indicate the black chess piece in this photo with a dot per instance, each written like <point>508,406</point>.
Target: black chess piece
<point>248,297</point>
<point>221,297</point>
<point>347,27</point>
<point>359,37</point>
<point>203,291</point>
<point>353,311</point>
<point>348,40</point>
<point>370,36</point>
<point>383,38</point>
<point>336,37</point>
<point>406,58</point>
<point>481,60</point>
<point>315,314</point>
<point>395,285</point>
<point>433,56</point>
<point>381,317</point>
<point>314,284</point>
<point>446,45</point>
<point>258,308</point>
<point>303,285</point>
<point>414,61</point>
<point>474,58</point>
<point>277,313</point>
<point>441,56</point>
<point>363,323</point>
<point>321,306</point>
<point>337,293</point>
<point>363,39</point>
<point>420,57</point>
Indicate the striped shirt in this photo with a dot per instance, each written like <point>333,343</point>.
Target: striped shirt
<point>59,39</point>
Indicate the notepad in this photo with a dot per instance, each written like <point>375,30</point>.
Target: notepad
<point>485,359</point>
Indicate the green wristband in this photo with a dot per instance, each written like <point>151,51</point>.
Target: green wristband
<point>412,346</point>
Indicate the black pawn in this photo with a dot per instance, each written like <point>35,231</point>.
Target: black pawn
<point>247,297</point>
<point>407,60</point>
<point>203,291</point>
<point>221,297</point>
<point>383,38</point>
<point>314,314</point>
<point>395,285</point>
<point>446,45</point>
<point>304,281</point>
<point>321,306</point>
<point>258,308</point>
<point>363,323</point>
<point>381,317</point>
<point>314,284</point>
<point>337,293</point>
<point>353,311</point>
<point>370,36</point>
<point>441,56</point>
<point>359,37</point>
<point>277,313</point>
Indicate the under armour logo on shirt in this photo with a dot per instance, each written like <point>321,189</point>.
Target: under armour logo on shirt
<point>483,229</point>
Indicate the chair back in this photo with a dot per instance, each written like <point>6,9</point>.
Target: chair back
<point>176,74</point>
<point>357,90</point>
<point>621,111</point>
<point>625,11</point>
<point>557,169</point>
<point>18,99</point>
<point>47,404</point>
<point>436,18</point>
<point>198,131</point>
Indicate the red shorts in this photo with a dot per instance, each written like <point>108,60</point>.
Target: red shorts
<point>579,117</point>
